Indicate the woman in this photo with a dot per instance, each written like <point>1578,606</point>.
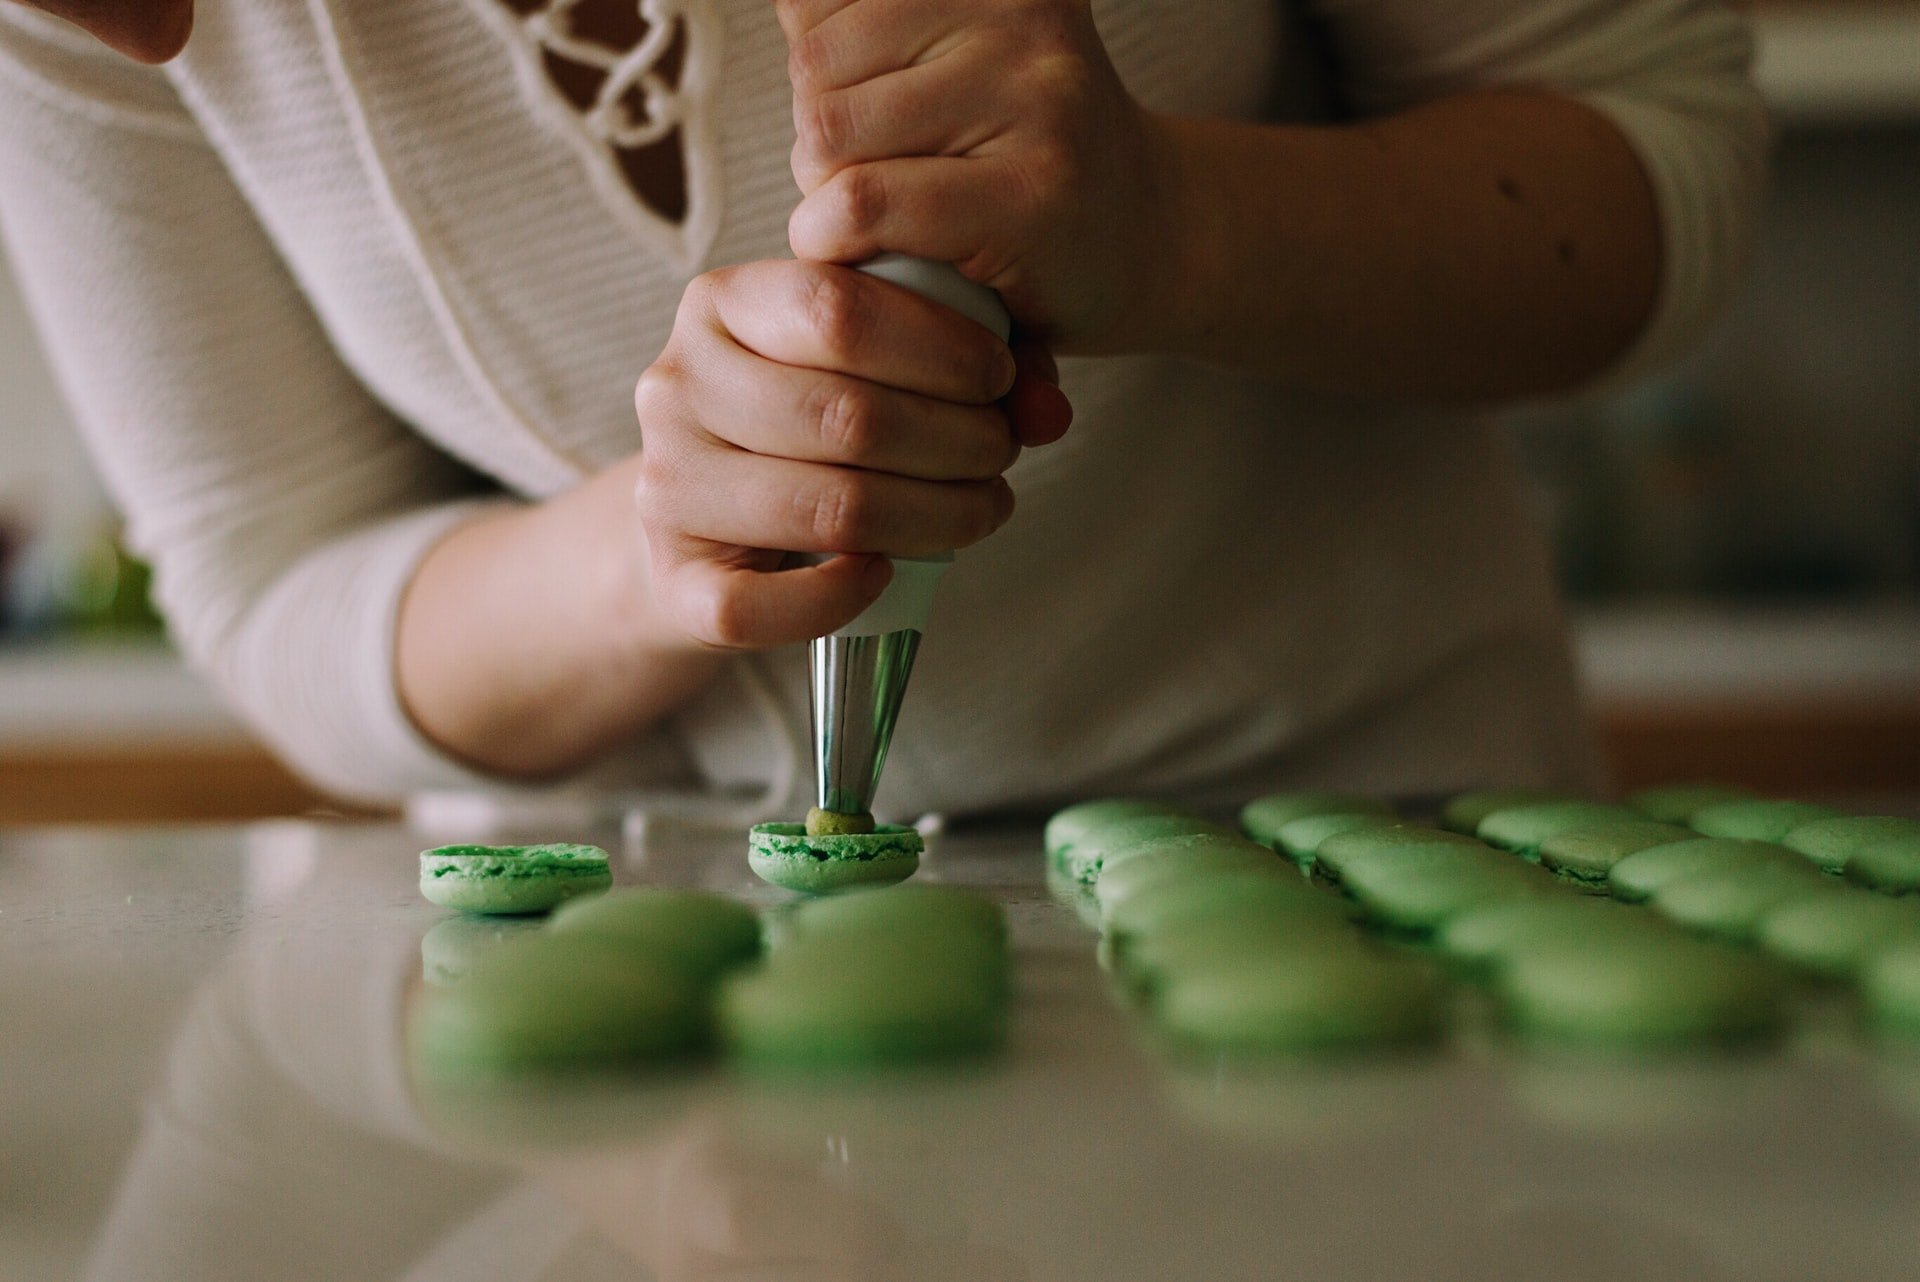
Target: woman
<point>350,299</point>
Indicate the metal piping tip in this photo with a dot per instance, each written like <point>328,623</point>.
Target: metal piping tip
<point>858,685</point>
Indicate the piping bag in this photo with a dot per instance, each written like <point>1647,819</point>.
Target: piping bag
<point>859,673</point>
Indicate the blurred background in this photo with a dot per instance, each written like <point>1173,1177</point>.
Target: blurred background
<point>1740,537</point>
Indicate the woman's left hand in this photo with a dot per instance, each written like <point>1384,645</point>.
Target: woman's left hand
<point>995,135</point>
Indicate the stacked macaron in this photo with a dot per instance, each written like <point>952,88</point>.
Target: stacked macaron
<point>873,979</point>
<point>1223,947</point>
<point>651,976</point>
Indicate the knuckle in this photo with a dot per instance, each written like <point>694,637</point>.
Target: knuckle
<point>860,196</point>
<point>656,394</point>
<point>823,124</point>
<point>836,310</point>
<point>840,516</point>
<point>843,415</point>
<point>809,63</point>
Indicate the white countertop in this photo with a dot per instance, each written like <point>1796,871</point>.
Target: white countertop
<point>202,1078</point>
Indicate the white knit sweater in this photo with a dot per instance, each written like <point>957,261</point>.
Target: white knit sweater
<point>349,267</point>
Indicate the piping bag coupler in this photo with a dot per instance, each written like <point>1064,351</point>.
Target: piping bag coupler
<point>859,674</point>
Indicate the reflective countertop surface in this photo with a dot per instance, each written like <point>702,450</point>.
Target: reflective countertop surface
<point>202,1075</point>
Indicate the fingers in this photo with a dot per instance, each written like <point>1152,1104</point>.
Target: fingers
<point>824,316</point>
<point>732,606</point>
<point>853,43</point>
<point>928,207</point>
<point>1036,408</point>
<point>728,496</point>
<point>948,106</point>
<point>814,417</point>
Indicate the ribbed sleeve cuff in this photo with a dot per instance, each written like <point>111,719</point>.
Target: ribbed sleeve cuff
<point>313,666</point>
<point>1706,179</point>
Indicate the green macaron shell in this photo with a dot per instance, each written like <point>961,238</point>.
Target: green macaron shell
<point>1300,839</point>
<point>1890,865</point>
<point>1588,853</point>
<point>1678,803</point>
<point>1834,935</point>
<point>1068,826</point>
<point>1641,992</point>
<point>1418,889</point>
<point>1146,961</point>
<point>1757,819</point>
<point>1890,991</point>
<point>783,854</point>
<point>1175,858</point>
<point>1326,1000</point>
<point>1831,842</point>
<point>1640,874</point>
<point>511,880</point>
<point>900,908</point>
<point>703,932</point>
<point>1489,935</point>
<point>1179,902</point>
<point>806,1011</point>
<point>1087,856</point>
<point>1521,829</point>
<point>1465,812</point>
<point>1263,818</point>
<point>1331,859</point>
<point>1731,901</point>
<point>549,1002</point>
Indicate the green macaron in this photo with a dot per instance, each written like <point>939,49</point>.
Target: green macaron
<point>920,907</point>
<point>1464,813</point>
<point>1831,842</point>
<point>512,880</point>
<point>852,1005</point>
<point>1332,999</point>
<point>1173,903</point>
<point>1418,889</point>
<point>1331,859</point>
<point>1890,865</point>
<point>1145,961</point>
<point>1068,826</point>
<point>1756,819</point>
<point>702,932</point>
<point>549,1002</point>
<point>1641,992</point>
<point>1084,859</point>
<point>1263,818</point>
<point>1521,829</point>
<point>785,855</point>
<point>1640,874</point>
<point>1890,991</point>
<point>1677,803</point>
<point>1731,901</point>
<point>1135,868</point>
<point>1587,853</point>
<point>1487,936</point>
<point>1300,839</point>
<point>1833,935</point>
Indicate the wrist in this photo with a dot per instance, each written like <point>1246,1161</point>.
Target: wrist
<point>1180,258</point>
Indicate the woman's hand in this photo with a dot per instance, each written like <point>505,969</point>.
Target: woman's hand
<point>808,407</point>
<point>994,135</point>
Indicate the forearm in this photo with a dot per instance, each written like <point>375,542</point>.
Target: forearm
<point>528,641</point>
<point>1481,247</point>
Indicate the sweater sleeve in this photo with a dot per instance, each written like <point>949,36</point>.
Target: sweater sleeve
<point>282,507</point>
<point>1672,76</point>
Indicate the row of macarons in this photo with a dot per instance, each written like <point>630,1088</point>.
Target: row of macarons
<point>658,975</point>
<point>1485,910</point>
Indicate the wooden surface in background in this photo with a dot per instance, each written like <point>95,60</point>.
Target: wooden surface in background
<point>1783,750</point>
<point>150,785</point>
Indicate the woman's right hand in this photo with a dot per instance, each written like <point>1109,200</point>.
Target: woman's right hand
<point>809,407</point>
